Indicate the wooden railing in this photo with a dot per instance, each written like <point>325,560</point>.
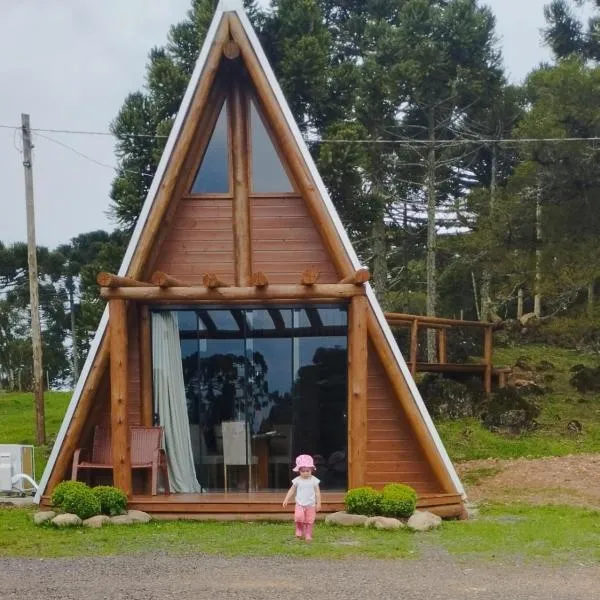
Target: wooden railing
<point>442,326</point>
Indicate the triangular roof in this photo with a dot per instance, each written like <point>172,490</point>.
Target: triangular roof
<point>217,34</point>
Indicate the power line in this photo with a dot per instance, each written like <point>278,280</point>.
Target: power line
<point>397,141</point>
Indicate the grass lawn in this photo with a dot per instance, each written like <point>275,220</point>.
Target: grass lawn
<point>507,533</point>
<point>17,421</point>
<point>467,439</point>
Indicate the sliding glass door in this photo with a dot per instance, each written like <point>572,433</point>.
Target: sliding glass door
<point>262,386</point>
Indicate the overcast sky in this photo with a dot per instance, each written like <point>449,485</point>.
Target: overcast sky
<point>70,64</point>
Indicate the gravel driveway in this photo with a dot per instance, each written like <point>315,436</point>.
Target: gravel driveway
<point>157,577</point>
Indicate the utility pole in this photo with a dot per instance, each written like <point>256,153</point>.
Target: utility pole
<point>36,330</point>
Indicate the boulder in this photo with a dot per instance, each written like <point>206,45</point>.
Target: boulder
<point>43,516</point>
<point>423,521</point>
<point>345,519</point>
<point>96,522</point>
<point>384,523</point>
<point>121,520</point>
<point>138,516</point>
<point>66,520</point>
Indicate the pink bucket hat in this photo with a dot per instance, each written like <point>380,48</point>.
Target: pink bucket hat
<point>304,461</point>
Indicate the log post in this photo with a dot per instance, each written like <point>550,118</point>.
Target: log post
<point>212,282</point>
<point>414,346</point>
<point>487,358</point>
<point>146,366</point>
<point>442,346</point>
<point>164,280</point>
<point>241,205</point>
<point>259,280</point>
<point>357,391</point>
<point>112,281</point>
<point>360,277</point>
<point>120,444</point>
<point>309,277</point>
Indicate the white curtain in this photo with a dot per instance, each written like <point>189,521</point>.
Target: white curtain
<point>169,394</point>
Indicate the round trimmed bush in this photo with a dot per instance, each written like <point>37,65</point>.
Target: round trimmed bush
<point>363,501</point>
<point>113,501</point>
<point>76,498</point>
<point>398,500</point>
<point>63,489</point>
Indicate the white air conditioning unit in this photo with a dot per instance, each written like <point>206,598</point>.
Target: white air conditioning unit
<point>16,459</point>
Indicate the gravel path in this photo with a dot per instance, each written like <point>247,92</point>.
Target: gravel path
<point>157,577</point>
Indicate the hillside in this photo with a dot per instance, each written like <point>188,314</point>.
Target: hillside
<point>465,439</point>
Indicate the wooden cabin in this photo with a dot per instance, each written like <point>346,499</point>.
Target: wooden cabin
<point>243,324</point>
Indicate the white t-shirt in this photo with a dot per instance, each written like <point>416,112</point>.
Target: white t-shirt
<point>306,490</point>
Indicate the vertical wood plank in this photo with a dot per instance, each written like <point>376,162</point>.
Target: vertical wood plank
<point>357,392</point>
<point>241,205</point>
<point>121,454</point>
<point>442,346</point>
<point>146,366</point>
<point>414,346</point>
<point>487,358</point>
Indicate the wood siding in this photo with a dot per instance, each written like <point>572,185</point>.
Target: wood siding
<point>285,241</point>
<point>393,453</point>
<point>199,241</point>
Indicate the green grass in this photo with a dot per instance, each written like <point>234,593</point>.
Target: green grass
<point>557,534</point>
<point>467,439</point>
<point>20,537</point>
<point>17,421</point>
<point>508,533</point>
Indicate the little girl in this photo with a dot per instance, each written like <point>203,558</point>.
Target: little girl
<point>308,496</point>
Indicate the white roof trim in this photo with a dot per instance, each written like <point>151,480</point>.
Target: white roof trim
<point>236,6</point>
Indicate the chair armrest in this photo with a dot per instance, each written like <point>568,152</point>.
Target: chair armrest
<point>159,456</point>
<point>78,455</point>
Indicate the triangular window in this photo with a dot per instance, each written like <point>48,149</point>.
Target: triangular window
<point>213,174</point>
<point>268,174</point>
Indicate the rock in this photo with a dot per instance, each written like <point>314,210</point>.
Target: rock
<point>384,523</point>
<point>43,516</point>
<point>586,379</point>
<point>96,522</point>
<point>121,520</point>
<point>526,318</point>
<point>66,520</point>
<point>423,521</point>
<point>138,516</point>
<point>523,363</point>
<point>472,510</point>
<point>345,519</point>
<point>575,426</point>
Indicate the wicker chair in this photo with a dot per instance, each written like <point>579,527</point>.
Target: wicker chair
<point>146,453</point>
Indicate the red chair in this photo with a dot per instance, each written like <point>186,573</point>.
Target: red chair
<point>146,453</point>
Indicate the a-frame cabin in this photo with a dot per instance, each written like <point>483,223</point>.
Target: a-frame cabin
<point>241,323</point>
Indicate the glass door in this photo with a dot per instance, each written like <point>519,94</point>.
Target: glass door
<point>262,386</point>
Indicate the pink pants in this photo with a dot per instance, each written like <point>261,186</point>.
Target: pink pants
<point>305,518</point>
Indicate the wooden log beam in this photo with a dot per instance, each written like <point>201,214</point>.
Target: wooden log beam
<point>442,345</point>
<point>360,277</point>
<point>164,280</point>
<point>409,406</point>
<point>241,204</point>
<point>146,367</point>
<point>212,282</point>
<point>231,50</point>
<point>114,281</point>
<point>193,293</point>
<point>120,442</point>
<point>309,277</point>
<point>397,317</point>
<point>259,280</point>
<point>357,391</point>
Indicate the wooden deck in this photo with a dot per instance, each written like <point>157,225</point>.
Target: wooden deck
<point>264,505</point>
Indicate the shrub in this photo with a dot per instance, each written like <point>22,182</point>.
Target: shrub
<point>509,410</point>
<point>398,500</point>
<point>363,501</point>
<point>113,501</point>
<point>77,498</point>
<point>447,399</point>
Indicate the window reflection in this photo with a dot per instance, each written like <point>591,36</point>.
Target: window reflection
<point>282,372</point>
<point>213,174</point>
